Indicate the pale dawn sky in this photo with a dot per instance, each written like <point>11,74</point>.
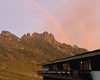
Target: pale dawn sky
<point>75,22</point>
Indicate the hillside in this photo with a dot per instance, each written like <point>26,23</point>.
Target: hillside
<point>19,56</point>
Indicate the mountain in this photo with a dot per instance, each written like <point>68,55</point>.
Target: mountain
<point>19,56</point>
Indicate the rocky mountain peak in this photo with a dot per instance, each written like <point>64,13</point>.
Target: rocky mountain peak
<point>28,35</point>
<point>48,37</point>
<point>45,33</point>
<point>8,36</point>
<point>45,36</point>
<point>35,34</point>
<point>5,33</point>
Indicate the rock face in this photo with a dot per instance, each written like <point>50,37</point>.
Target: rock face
<point>45,36</point>
<point>35,47</point>
<point>6,35</point>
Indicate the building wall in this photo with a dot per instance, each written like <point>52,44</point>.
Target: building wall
<point>95,75</point>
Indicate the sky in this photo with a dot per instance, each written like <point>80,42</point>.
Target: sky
<point>74,22</point>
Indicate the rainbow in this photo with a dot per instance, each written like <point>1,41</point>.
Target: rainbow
<point>52,18</point>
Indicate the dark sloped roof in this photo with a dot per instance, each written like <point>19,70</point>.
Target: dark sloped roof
<point>79,56</point>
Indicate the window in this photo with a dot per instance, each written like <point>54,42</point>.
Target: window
<point>54,67</point>
<point>65,66</point>
<point>84,65</point>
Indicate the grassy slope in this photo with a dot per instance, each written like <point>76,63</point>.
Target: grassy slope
<point>18,70</point>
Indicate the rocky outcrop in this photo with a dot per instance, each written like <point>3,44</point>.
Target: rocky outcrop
<point>35,47</point>
<point>6,35</point>
<point>45,36</point>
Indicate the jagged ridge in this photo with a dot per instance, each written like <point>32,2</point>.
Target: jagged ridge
<point>38,45</point>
